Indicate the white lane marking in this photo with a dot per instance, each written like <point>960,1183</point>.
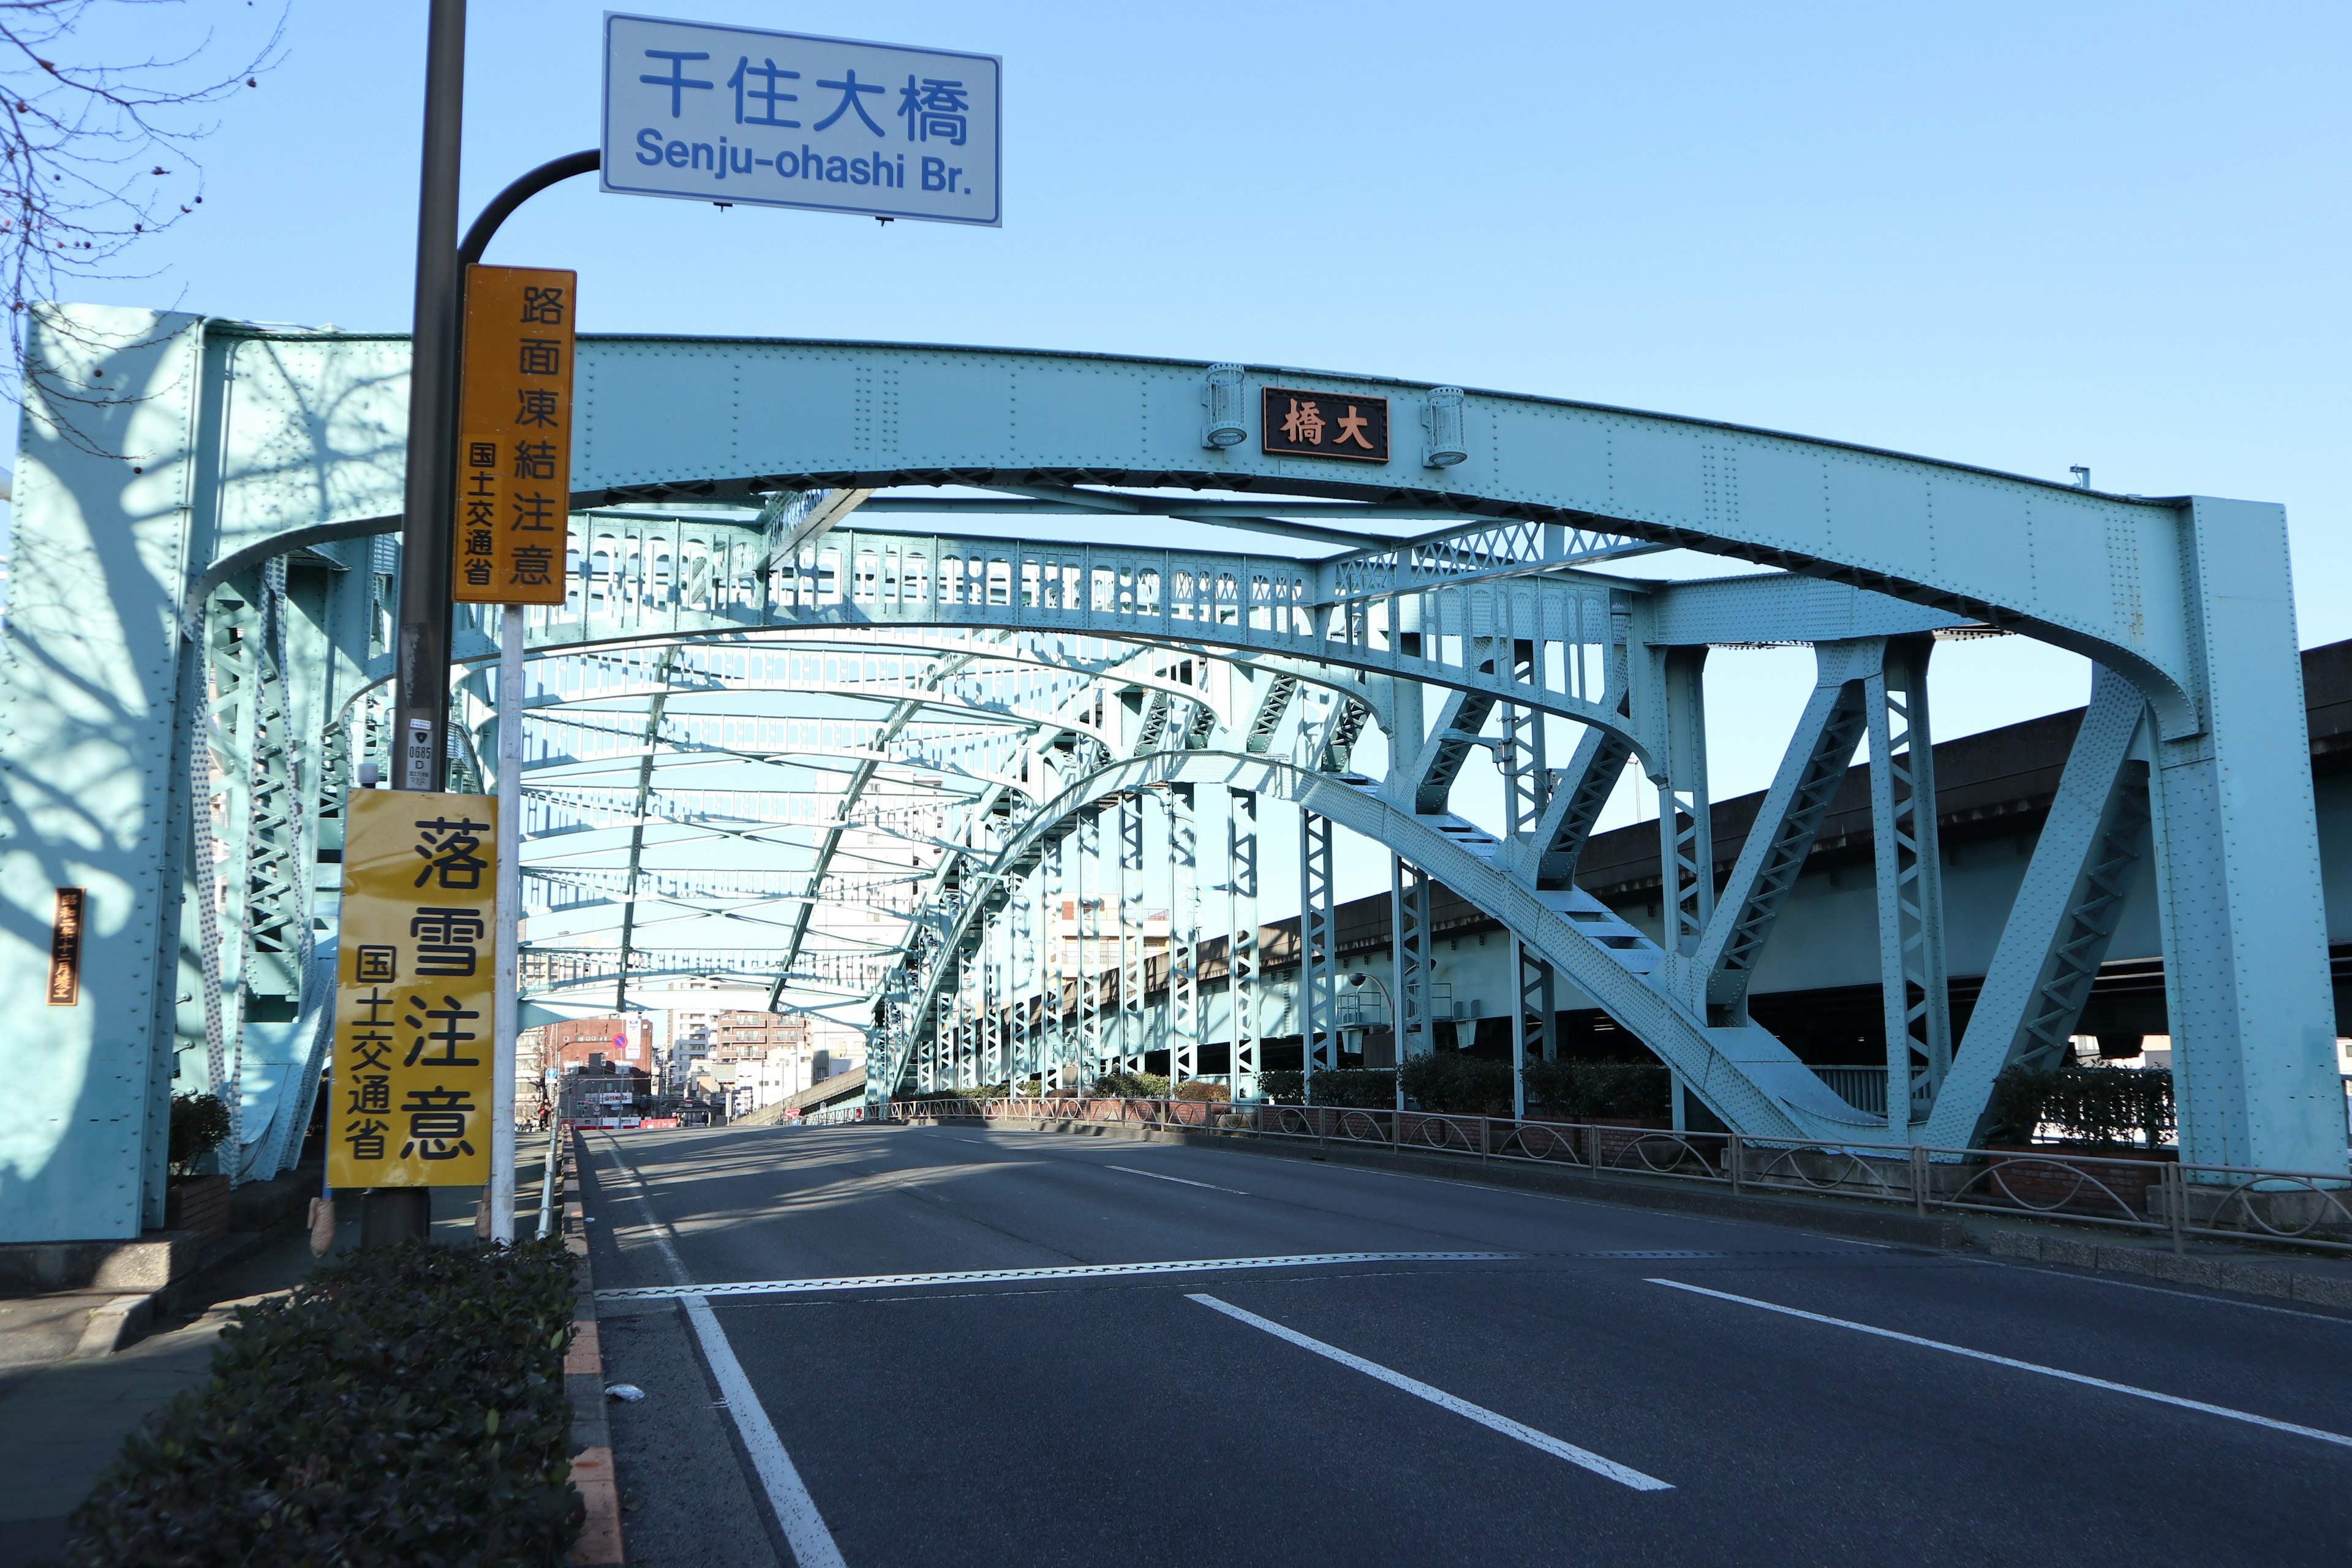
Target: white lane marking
<point>2173,1399</point>
<point>804,1528</point>
<point>796,1513</point>
<point>1062,1271</point>
<point>1623,1475</point>
<point>1180,1181</point>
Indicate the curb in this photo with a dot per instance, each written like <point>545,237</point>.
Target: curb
<point>122,1322</point>
<point>593,1475</point>
<point>2246,1276</point>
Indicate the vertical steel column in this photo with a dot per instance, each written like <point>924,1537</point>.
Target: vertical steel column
<point>992,1001</point>
<point>2240,899</point>
<point>1132,1043</point>
<point>936,1049</point>
<point>1526,780</point>
<point>1519,1041</point>
<point>1319,995</point>
<point>1184,937</point>
<point>1685,832</point>
<point>1089,880</point>
<point>1910,885</point>
<point>1409,960</point>
<point>1021,963</point>
<point>1538,1002</point>
<point>1053,1039</point>
<point>1241,939</point>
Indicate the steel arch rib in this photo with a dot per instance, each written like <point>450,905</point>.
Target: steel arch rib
<point>2019,552</point>
<point>1750,1079</point>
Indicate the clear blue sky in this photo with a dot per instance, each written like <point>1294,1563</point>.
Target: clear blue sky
<point>2024,236</point>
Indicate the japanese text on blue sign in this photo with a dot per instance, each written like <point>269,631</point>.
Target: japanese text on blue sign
<point>711,114</point>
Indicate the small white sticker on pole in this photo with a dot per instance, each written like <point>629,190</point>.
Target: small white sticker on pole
<point>703,112</point>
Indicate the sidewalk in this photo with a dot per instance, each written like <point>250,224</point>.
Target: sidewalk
<point>63,1421</point>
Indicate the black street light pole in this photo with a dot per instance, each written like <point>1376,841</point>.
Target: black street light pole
<point>420,738</point>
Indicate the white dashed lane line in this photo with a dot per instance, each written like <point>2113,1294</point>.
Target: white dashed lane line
<point>1210,1186</point>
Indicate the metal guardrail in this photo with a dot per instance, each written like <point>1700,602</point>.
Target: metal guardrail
<point>555,1136</point>
<point>2153,1195</point>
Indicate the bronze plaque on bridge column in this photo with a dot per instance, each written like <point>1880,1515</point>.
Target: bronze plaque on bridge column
<point>65,949</point>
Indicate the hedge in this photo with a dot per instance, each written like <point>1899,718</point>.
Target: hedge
<point>1130,1086</point>
<point>2097,1104</point>
<point>404,1406</point>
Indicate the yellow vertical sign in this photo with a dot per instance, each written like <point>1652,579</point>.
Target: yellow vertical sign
<point>514,435</point>
<point>414,983</point>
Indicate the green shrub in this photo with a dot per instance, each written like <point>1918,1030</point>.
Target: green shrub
<point>1283,1088</point>
<point>1130,1086</point>
<point>2095,1104</point>
<point>1193,1088</point>
<point>1370,1087</point>
<point>199,1126</point>
<point>404,1406</point>
<point>1578,1089</point>
<point>1450,1081</point>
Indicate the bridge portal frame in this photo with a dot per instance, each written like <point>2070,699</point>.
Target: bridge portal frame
<point>163,455</point>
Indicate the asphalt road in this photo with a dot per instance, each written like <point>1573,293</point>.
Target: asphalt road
<point>1613,1385</point>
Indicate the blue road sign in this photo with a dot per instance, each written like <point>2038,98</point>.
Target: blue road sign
<point>711,114</point>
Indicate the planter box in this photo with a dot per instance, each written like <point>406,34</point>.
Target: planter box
<point>200,1203</point>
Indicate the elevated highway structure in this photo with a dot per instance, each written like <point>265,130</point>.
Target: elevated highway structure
<point>809,698</point>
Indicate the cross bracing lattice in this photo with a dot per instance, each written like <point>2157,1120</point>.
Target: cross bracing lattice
<point>1481,610</point>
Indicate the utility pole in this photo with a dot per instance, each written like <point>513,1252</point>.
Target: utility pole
<point>423,653</point>
<point>421,748</point>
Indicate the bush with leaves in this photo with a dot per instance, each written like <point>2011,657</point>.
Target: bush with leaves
<point>404,1405</point>
<point>1369,1089</point>
<point>1283,1087</point>
<point>199,1126</point>
<point>2105,1105</point>
<point>1130,1086</point>
<point>1193,1088</point>
<point>985,1091</point>
<point>1580,1089</point>
<point>1455,1081</point>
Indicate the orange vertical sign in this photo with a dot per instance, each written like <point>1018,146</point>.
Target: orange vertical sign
<point>514,436</point>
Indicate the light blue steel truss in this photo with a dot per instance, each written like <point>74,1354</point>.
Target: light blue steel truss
<point>195,644</point>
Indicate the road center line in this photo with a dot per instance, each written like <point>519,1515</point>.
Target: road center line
<point>2173,1399</point>
<point>1623,1475</point>
<point>1058,1271</point>
<point>796,1514</point>
<point>1210,1186</point>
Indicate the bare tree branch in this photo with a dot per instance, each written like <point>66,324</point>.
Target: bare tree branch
<point>96,156</point>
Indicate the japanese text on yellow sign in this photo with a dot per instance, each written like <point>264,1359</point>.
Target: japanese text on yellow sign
<point>415,985</point>
<point>514,440</point>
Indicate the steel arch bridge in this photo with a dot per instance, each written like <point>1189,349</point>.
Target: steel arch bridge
<point>799,722</point>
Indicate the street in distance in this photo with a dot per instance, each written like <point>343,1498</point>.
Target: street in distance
<point>709,113</point>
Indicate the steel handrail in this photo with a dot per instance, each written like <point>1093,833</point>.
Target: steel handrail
<point>1884,1173</point>
<point>547,1181</point>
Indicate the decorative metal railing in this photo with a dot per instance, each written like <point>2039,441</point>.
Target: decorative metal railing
<point>2145,1193</point>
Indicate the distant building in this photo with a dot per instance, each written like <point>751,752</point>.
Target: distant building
<point>626,1042</point>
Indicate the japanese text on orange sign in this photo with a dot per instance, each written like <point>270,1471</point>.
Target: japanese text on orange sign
<point>415,984</point>
<point>514,436</point>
